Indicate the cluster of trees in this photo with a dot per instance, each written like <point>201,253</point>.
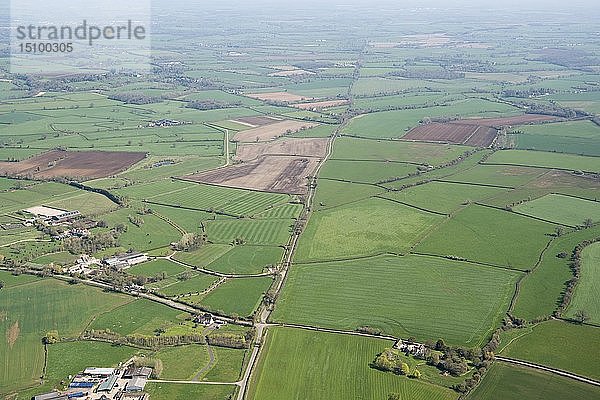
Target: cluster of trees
<point>212,104</point>
<point>550,108</point>
<point>428,74</point>
<point>190,242</point>
<point>231,339</point>
<point>135,98</point>
<point>526,93</point>
<point>391,360</point>
<point>91,244</point>
<point>136,220</point>
<point>581,315</point>
<point>152,342</point>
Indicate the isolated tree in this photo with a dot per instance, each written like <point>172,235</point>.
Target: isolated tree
<point>559,231</point>
<point>405,369</point>
<point>581,316</point>
<point>588,223</point>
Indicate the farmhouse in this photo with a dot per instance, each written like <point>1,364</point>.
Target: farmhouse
<point>204,319</point>
<point>126,260</point>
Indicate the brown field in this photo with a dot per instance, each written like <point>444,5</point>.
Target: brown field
<point>277,174</point>
<point>507,121</point>
<point>271,131</point>
<point>470,135</point>
<point>72,164</point>
<point>256,121</point>
<point>307,147</point>
<point>279,96</point>
<point>12,334</point>
<point>321,104</point>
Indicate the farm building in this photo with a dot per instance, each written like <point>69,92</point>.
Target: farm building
<point>205,319</point>
<point>99,372</point>
<point>108,384</point>
<point>132,371</point>
<point>53,215</point>
<point>51,396</point>
<point>137,384</point>
<point>131,396</point>
<point>126,260</point>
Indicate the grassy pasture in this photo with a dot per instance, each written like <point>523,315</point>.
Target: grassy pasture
<point>32,307</point>
<point>546,160</point>
<point>561,209</point>
<point>198,283</point>
<point>586,292</point>
<point>335,193</point>
<point>425,297</point>
<point>136,317</point>
<point>488,235</point>
<point>578,137</point>
<point>384,150</point>
<point>367,227</point>
<point>556,344</point>
<point>329,366</point>
<point>156,267</point>
<point>541,290</point>
<point>237,296</point>
<point>443,197</point>
<point>182,391</point>
<point>204,255</point>
<point>507,382</point>
<point>247,259</point>
<point>365,171</point>
<point>507,176</point>
<point>253,231</point>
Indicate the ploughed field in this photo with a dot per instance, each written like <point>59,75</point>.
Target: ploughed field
<point>72,164</point>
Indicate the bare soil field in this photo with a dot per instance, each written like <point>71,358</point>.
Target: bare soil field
<point>72,164</point>
<point>277,174</point>
<point>272,131</point>
<point>279,96</point>
<point>256,121</point>
<point>307,147</point>
<point>507,121</point>
<point>319,105</point>
<point>470,135</point>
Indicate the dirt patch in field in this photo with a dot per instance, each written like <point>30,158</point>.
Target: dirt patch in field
<point>276,174</point>
<point>470,135</point>
<point>12,334</point>
<point>285,97</point>
<point>319,105</point>
<point>72,164</point>
<point>256,121</point>
<point>272,131</point>
<point>307,147</point>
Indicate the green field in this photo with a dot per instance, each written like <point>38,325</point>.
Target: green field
<point>565,210</point>
<point>247,259</point>
<point>137,317</point>
<point>489,235</point>
<point>546,160</point>
<point>586,292</point>
<point>182,391</point>
<point>443,197</point>
<point>252,231</point>
<point>365,171</point>
<point>577,137</point>
<point>541,290</point>
<point>32,307</point>
<point>156,267</point>
<point>368,227</point>
<point>237,296</point>
<point>556,344</point>
<point>499,175</point>
<point>329,366</point>
<point>425,297</point>
<point>505,382</point>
